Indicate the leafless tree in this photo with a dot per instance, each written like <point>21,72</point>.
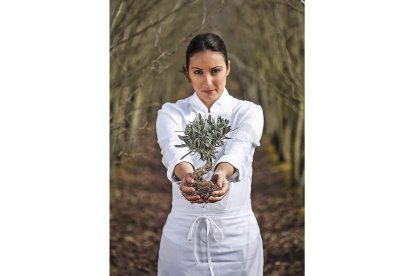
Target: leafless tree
<point>266,47</point>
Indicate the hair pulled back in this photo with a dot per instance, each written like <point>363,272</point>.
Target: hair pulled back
<point>203,42</point>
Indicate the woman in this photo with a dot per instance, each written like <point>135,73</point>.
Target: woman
<point>220,237</point>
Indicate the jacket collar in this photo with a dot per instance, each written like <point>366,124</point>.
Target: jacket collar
<point>217,106</point>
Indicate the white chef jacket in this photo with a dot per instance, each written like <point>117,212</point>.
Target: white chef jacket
<point>221,238</point>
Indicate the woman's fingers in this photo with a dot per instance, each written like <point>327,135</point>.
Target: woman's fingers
<point>220,194</point>
<point>223,191</point>
<point>199,200</point>
<point>193,198</point>
<point>189,178</point>
<point>212,199</point>
<point>187,191</point>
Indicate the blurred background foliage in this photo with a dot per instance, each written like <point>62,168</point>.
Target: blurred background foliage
<point>265,41</point>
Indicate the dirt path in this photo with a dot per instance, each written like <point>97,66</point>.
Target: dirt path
<point>141,199</point>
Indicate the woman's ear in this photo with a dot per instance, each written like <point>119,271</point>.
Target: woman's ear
<point>186,73</point>
<point>188,76</point>
<point>228,68</point>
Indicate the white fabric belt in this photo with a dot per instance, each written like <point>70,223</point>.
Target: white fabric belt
<point>210,227</point>
<point>195,210</point>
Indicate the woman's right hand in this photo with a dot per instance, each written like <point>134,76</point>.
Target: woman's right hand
<point>187,190</point>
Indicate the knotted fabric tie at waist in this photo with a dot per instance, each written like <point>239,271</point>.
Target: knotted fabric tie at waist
<point>210,227</point>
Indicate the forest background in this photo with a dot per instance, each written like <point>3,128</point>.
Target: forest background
<point>265,41</point>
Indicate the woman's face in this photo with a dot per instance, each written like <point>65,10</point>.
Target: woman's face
<point>208,73</point>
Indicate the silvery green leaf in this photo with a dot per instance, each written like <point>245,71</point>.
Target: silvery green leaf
<point>181,146</point>
<point>185,155</point>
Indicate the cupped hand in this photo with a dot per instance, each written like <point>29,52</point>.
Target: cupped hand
<point>220,179</point>
<point>187,191</point>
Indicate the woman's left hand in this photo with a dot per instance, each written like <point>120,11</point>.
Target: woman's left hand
<point>220,179</point>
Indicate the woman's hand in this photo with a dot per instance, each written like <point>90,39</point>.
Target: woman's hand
<point>220,179</point>
<point>187,191</point>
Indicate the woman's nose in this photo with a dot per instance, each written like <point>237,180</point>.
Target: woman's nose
<point>208,79</point>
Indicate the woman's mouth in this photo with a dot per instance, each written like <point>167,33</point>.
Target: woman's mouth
<point>208,91</point>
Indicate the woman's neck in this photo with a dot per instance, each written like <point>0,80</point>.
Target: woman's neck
<point>208,104</point>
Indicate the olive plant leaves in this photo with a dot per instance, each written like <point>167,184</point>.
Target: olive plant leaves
<point>203,136</point>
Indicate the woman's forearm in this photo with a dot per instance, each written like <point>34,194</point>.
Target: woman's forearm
<point>226,168</point>
<point>182,169</point>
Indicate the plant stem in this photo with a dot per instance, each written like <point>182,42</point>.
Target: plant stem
<point>198,173</point>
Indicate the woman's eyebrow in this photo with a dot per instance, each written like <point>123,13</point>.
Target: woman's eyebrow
<point>218,66</point>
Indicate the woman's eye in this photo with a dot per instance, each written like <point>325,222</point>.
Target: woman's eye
<point>198,72</point>
<point>215,71</point>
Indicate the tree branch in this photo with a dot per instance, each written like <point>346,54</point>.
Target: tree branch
<point>240,63</point>
<point>151,25</point>
<point>116,16</point>
<point>290,5</point>
<point>119,63</point>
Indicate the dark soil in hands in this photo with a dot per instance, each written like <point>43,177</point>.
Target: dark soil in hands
<point>204,188</point>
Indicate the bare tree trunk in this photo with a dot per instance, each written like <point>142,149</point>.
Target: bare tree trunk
<point>298,148</point>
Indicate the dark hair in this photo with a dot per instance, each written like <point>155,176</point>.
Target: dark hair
<point>203,42</point>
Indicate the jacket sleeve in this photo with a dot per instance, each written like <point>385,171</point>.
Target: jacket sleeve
<point>168,126</point>
<point>239,150</point>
